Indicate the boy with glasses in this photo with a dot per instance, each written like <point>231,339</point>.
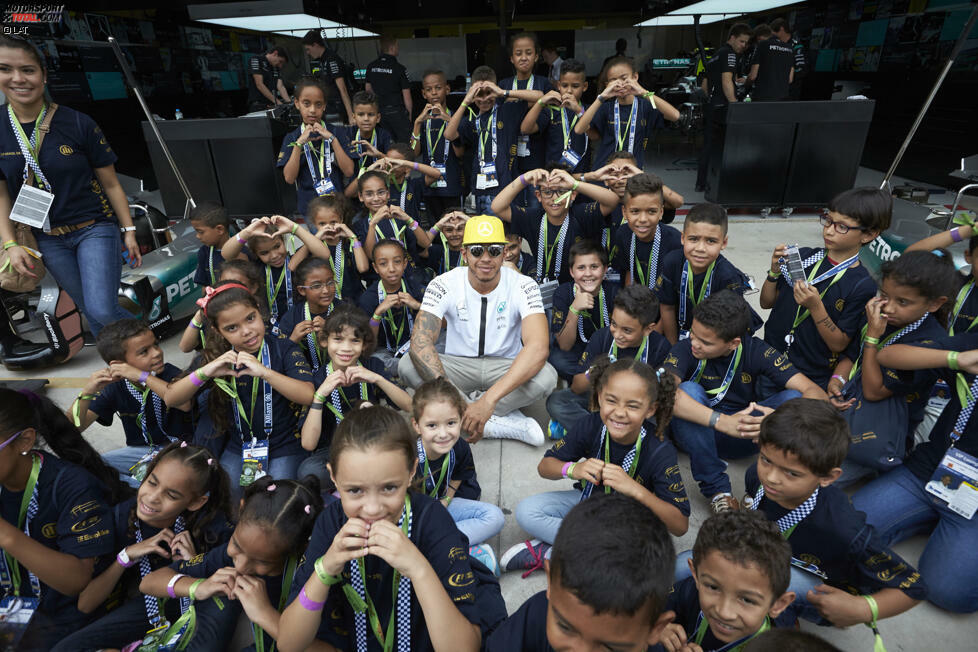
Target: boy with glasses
<point>813,319</point>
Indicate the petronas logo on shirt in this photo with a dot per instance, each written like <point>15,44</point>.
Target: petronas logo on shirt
<point>66,150</point>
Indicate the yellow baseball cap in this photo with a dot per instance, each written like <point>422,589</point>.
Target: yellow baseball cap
<point>484,229</point>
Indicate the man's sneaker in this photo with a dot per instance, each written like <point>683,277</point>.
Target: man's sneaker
<point>514,425</point>
<point>555,431</point>
<point>723,503</point>
<point>484,553</point>
<point>527,556</point>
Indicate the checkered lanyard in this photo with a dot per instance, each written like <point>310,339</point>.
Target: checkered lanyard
<point>811,260</point>
<point>892,339</point>
<point>286,275</point>
<point>336,396</point>
<point>28,148</point>
<point>687,287</point>
<point>363,606</point>
<point>141,396</point>
<point>968,407</point>
<point>653,267</point>
<point>721,391</point>
<point>789,521</point>
<point>315,351</point>
<point>431,486</point>
<point>603,307</point>
<point>569,128</point>
<point>389,324</point>
<point>9,567</point>
<point>632,120</point>
<point>630,463</point>
<point>339,267</point>
<point>488,133</point>
<point>153,604</point>
<point>545,254</point>
<point>231,389</point>
<point>324,158</point>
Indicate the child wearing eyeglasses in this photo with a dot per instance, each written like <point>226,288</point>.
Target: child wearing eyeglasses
<point>317,285</point>
<point>559,223</point>
<point>814,320</point>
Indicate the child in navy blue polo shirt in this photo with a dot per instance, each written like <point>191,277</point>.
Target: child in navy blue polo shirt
<point>413,545</point>
<point>513,254</point>
<point>60,497</point>
<point>445,252</point>
<point>620,448</point>
<point>719,365</point>
<point>331,218</point>
<point>348,376</point>
<point>213,228</point>
<point>406,189</point>
<point>642,243</point>
<point>559,223</point>
<point>487,135</point>
<point>884,406</point>
<point>843,573</point>
<point>607,582</point>
<point>363,134</point>
<point>814,319</point>
<point>630,334</point>
<point>554,116</point>
<point>627,123</point>
<point>741,567</point>
<point>690,274</point>
<point>429,142</point>
<point>251,574</point>
<point>311,158</point>
<point>132,386</point>
<point>380,221</point>
<point>317,287</point>
<point>391,301</point>
<point>916,497</point>
<point>581,306</point>
<point>180,511</point>
<point>524,50</point>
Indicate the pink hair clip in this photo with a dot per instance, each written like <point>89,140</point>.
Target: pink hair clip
<point>183,444</point>
<point>308,509</point>
<point>271,487</point>
<point>210,460</point>
<point>210,293</point>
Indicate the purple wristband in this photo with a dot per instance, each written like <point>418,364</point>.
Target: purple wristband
<point>237,236</point>
<point>143,377</point>
<point>357,244</point>
<point>374,322</point>
<point>523,180</point>
<point>416,166</point>
<point>563,470</point>
<point>308,603</point>
<point>956,234</point>
<point>171,585</point>
<point>196,380</point>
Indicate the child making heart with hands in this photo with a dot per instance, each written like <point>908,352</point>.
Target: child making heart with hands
<point>241,362</point>
<point>380,536</point>
<point>348,376</point>
<point>254,570</point>
<point>331,217</point>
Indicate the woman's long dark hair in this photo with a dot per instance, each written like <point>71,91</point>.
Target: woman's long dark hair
<point>21,410</point>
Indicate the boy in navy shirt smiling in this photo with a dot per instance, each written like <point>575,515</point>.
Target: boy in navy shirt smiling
<point>554,115</point>
<point>559,223</point>
<point>689,274</point>
<point>849,575</point>
<point>641,242</point>
<point>629,334</point>
<point>132,386</point>
<point>607,580</point>
<point>813,321</point>
<point>581,306</point>
<point>718,366</point>
<point>741,568</point>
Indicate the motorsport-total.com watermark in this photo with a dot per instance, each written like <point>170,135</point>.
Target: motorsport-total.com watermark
<point>18,18</point>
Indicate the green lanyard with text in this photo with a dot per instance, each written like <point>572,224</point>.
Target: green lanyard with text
<point>24,503</point>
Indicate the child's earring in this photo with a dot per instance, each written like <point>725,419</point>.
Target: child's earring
<point>24,452</point>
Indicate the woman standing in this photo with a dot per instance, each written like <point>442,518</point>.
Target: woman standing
<point>83,249</point>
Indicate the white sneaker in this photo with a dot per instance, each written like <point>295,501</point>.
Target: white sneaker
<point>514,425</point>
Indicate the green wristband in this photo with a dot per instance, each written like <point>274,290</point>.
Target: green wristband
<point>324,577</point>
<point>872,341</point>
<point>192,591</point>
<point>952,360</point>
<point>318,398</point>
<point>570,471</point>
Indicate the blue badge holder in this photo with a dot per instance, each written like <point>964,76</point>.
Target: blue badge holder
<point>325,187</point>
<point>486,177</point>
<point>254,461</point>
<point>571,158</point>
<point>955,483</point>
<point>441,182</point>
<point>15,616</point>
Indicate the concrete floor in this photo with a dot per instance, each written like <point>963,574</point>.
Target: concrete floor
<point>507,470</point>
